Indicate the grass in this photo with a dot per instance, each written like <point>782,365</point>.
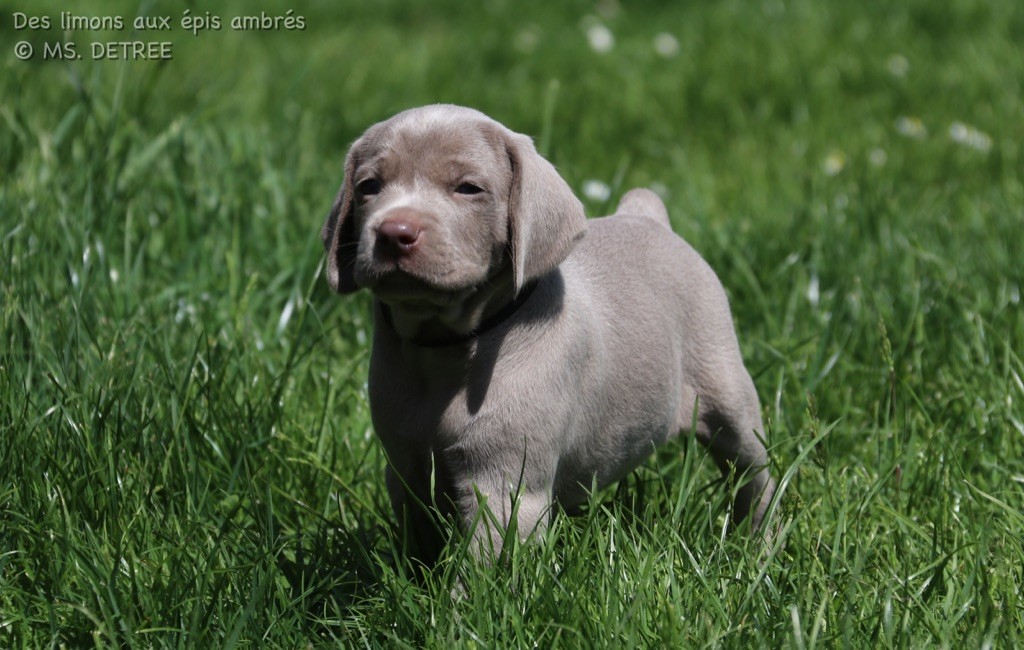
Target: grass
<point>186,454</point>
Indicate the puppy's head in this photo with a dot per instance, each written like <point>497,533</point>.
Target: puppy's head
<point>439,200</point>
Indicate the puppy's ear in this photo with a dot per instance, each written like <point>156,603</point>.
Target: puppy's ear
<point>339,233</point>
<point>545,217</point>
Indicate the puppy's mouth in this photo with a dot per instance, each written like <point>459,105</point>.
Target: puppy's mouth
<point>403,283</point>
<point>402,275</point>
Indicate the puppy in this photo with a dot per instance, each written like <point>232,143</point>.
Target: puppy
<point>522,353</point>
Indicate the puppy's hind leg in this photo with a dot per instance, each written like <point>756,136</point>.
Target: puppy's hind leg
<point>732,431</point>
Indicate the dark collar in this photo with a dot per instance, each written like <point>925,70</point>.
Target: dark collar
<point>489,323</point>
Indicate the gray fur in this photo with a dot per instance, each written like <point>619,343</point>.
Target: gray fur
<point>626,331</point>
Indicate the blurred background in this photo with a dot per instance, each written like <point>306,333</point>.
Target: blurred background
<point>183,419</point>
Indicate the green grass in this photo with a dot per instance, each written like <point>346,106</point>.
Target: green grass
<point>186,455</point>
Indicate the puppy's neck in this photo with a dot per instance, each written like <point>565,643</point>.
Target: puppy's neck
<point>458,320</point>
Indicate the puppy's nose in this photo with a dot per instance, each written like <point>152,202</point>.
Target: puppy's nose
<point>398,236</point>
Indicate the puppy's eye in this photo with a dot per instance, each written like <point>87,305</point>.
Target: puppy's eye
<point>369,187</point>
<point>468,188</point>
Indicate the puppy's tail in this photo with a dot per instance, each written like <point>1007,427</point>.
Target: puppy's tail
<point>641,202</point>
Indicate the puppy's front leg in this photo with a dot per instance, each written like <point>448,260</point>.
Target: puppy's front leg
<point>489,507</point>
<point>484,503</point>
<point>419,520</point>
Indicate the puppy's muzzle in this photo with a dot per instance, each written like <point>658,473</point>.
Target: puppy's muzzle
<point>398,236</point>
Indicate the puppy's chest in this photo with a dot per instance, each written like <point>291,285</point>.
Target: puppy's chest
<point>427,405</point>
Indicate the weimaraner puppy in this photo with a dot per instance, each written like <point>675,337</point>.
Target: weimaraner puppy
<point>522,353</point>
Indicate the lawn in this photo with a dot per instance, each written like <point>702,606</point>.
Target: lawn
<point>186,454</point>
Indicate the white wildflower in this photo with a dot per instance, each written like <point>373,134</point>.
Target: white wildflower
<point>969,136</point>
<point>185,311</point>
<point>834,162</point>
<point>911,127</point>
<point>898,65</point>
<point>596,190</point>
<point>599,36</point>
<point>666,45</point>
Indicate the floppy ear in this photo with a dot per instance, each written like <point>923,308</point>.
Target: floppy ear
<point>545,217</point>
<point>339,234</point>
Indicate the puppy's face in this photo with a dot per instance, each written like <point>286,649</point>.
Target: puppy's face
<point>440,201</point>
<point>429,208</point>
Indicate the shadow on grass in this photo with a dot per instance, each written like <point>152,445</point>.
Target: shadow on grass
<point>335,567</point>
